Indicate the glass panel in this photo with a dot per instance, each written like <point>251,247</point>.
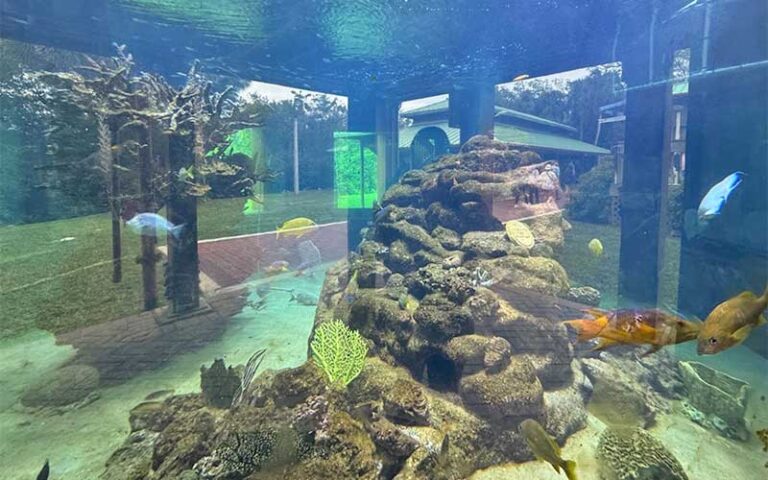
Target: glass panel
<point>383,240</point>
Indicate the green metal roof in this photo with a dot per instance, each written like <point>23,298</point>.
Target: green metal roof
<point>509,134</point>
<point>501,114</point>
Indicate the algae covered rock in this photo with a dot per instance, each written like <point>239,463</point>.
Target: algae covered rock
<point>402,195</point>
<point>485,244</point>
<point>372,275</point>
<point>635,454</point>
<point>133,459</point>
<point>541,274</point>
<point>565,408</point>
<point>507,397</point>
<point>65,386</point>
<point>406,403</point>
<point>448,238</point>
<point>584,295</point>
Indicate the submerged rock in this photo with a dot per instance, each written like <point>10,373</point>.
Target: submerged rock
<point>619,398</point>
<point>133,459</point>
<point>565,408</point>
<point>540,274</point>
<point>485,244</point>
<point>635,454</point>
<point>372,275</point>
<point>448,238</point>
<point>584,295</point>
<point>505,398</point>
<point>406,404</point>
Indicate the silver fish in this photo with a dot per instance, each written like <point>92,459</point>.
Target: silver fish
<point>152,224</point>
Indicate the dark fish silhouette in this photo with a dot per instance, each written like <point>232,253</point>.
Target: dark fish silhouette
<point>43,475</point>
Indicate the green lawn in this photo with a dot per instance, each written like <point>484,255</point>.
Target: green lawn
<point>603,272</point>
<point>59,286</point>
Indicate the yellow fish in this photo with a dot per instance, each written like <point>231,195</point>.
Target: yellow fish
<point>596,247</point>
<point>732,321</point>
<point>408,302</point>
<point>296,227</point>
<point>545,448</point>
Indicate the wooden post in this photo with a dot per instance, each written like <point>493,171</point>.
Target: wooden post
<point>183,271</point>
<point>108,138</point>
<point>642,191</point>
<point>147,204</point>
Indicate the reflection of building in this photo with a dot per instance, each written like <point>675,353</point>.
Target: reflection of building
<point>427,134</point>
<point>610,132</point>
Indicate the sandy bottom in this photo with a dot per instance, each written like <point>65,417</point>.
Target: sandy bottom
<point>703,454</point>
<point>79,441</point>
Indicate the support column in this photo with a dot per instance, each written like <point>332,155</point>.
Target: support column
<point>369,114</point>
<point>727,124</point>
<point>183,270</point>
<point>472,109</point>
<point>643,190</point>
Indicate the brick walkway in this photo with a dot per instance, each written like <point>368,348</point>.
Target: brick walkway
<point>232,260</point>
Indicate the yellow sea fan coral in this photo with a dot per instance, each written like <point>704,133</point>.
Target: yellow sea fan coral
<point>339,351</point>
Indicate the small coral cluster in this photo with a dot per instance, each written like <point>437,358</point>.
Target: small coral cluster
<point>634,454</point>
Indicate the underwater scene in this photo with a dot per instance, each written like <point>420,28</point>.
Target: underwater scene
<point>383,240</point>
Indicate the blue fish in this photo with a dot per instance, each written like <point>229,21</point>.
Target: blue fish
<point>714,201</point>
<point>153,224</point>
<point>712,204</point>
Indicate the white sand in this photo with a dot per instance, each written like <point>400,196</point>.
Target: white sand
<point>80,441</point>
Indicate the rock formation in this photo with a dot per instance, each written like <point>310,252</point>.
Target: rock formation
<point>454,366</point>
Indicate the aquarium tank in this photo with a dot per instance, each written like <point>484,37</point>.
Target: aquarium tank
<point>383,239</point>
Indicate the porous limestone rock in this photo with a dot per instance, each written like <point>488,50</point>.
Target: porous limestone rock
<point>635,454</point>
<point>584,295</point>
<point>485,244</point>
<point>505,398</point>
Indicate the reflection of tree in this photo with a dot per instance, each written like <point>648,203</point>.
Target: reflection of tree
<point>576,103</point>
<point>139,118</point>
<point>355,177</point>
<point>320,116</point>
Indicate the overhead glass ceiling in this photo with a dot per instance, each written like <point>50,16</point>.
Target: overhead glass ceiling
<point>393,48</point>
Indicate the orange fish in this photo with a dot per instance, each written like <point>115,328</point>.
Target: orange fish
<point>731,322</point>
<point>634,327</point>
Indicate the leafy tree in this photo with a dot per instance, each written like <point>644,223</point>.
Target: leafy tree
<point>318,117</point>
<point>576,103</point>
<point>543,98</point>
<point>591,201</point>
<point>586,95</point>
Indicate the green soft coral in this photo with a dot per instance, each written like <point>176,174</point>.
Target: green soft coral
<point>339,351</point>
